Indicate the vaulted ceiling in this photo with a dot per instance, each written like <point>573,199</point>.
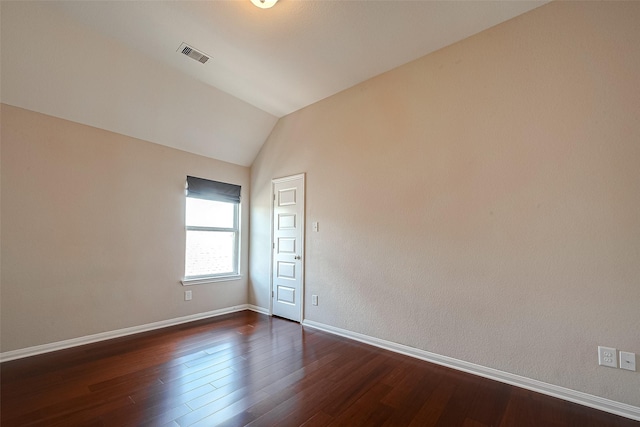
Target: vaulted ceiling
<point>115,65</point>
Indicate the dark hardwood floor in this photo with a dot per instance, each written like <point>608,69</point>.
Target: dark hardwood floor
<point>250,369</point>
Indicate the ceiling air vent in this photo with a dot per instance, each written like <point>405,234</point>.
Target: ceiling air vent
<point>193,53</point>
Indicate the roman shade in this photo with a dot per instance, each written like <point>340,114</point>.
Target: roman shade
<point>200,188</point>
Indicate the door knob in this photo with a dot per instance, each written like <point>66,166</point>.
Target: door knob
<point>297,257</point>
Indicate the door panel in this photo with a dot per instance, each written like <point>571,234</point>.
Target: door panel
<point>286,221</point>
<point>286,295</point>
<point>287,244</point>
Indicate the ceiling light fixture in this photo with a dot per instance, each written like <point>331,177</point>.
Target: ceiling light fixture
<point>264,4</point>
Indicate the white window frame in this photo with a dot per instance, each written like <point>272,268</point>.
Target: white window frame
<point>226,276</point>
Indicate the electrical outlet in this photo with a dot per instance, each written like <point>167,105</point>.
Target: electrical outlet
<point>627,360</point>
<point>314,299</point>
<point>607,357</point>
<point>187,295</point>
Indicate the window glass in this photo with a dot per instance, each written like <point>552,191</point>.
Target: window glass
<point>208,213</point>
<point>210,253</point>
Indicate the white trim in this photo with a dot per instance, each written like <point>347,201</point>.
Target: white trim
<point>257,309</point>
<point>214,279</point>
<point>611,406</point>
<point>289,178</point>
<point>271,245</point>
<point>237,253</point>
<point>74,342</point>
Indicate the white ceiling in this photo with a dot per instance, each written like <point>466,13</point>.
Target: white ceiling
<point>271,61</point>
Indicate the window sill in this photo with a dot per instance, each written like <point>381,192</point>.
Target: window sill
<point>204,280</point>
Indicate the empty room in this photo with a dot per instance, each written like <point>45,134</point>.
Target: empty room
<point>320,213</point>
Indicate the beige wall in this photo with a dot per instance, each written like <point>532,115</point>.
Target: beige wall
<point>482,202</point>
<point>93,231</point>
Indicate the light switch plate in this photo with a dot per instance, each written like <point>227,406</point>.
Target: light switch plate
<point>627,360</point>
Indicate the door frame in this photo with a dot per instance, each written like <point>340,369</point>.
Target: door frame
<point>275,181</point>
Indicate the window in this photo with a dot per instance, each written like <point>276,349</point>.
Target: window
<point>212,228</point>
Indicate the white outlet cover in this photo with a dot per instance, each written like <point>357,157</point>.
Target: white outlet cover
<point>607,357</point>
<point>627,360</point>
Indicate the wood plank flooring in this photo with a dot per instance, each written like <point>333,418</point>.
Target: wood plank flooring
<point>250,369</point>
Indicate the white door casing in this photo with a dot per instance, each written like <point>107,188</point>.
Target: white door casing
<point>287,243</point>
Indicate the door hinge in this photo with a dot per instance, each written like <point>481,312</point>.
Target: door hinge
<point>272,294</point>
<point>273,245</point>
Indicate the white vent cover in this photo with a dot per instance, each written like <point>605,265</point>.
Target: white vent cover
<point>193,53</point>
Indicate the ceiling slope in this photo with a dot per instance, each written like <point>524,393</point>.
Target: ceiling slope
<point>53,65</point>
<point>115,65</point>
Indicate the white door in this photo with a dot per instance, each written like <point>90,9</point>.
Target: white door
<point>287,246</point>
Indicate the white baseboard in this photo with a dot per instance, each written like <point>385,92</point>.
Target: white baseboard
<point>613,407</point>
<point>74,342</point>
<point>257,309</point>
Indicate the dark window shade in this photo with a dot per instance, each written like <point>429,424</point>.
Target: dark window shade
<point>212,190</point>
